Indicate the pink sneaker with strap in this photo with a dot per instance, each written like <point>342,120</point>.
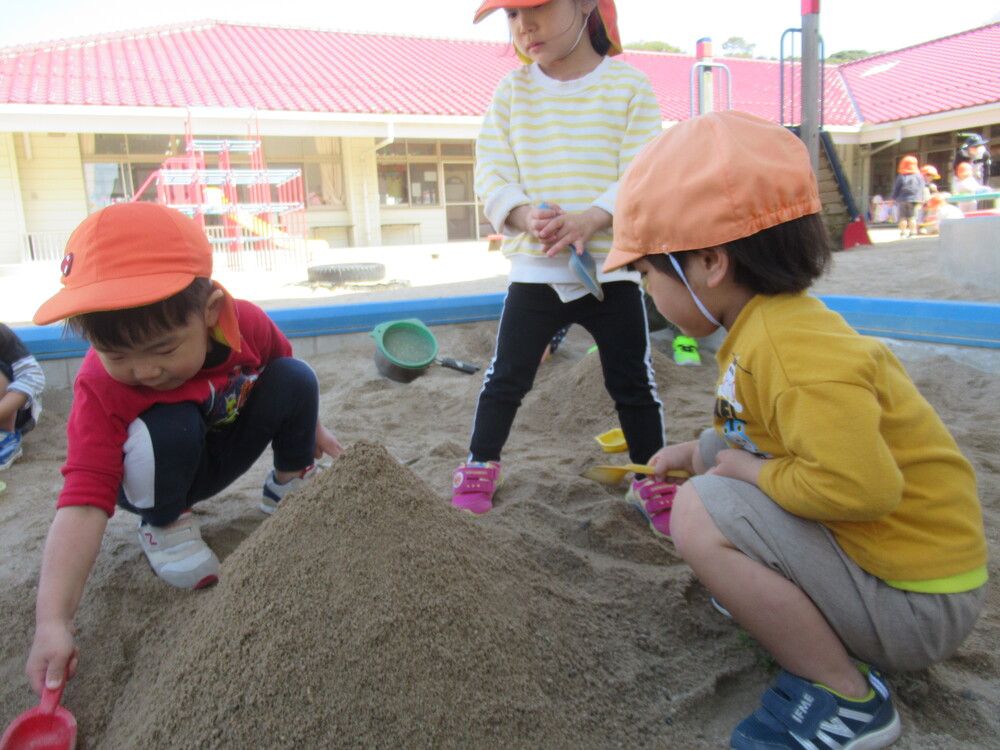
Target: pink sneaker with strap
<point>654,498</point>
<point>474,485</point>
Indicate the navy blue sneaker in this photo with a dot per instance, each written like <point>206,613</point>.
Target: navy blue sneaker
<point>800,715</point>
<point>10,448</point>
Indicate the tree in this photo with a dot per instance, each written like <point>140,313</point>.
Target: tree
<point>737,46</point>
<point>849,54</point>
<point>653,46</point>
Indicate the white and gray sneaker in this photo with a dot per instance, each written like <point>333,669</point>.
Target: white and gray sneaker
<point>274,492</point>
<point>178,554</point>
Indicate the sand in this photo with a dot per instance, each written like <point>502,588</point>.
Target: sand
<point>367,613</point>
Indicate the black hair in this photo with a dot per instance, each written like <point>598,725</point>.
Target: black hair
<point>11,344</point>
<point>132,326</point>
<point>786,258</point>
<point>598,34</point>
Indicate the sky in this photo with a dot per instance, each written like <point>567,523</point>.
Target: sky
<point>872,25</point>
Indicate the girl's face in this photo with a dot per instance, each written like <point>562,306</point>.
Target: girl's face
<point>551,32</point>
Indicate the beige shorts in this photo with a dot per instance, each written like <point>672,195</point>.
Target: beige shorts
<point>878,624</point>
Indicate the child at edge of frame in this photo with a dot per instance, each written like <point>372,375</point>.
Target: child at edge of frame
<point>182,389</point>
<point>22,382</point>
<point>554,143</point>
<point>830,512</point>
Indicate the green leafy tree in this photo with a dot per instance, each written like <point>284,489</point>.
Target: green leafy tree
<point>737,46</point>
<point>653,46</point>
<point>849,54</point>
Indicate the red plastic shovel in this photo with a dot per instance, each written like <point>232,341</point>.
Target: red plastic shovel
<point>49,726</point>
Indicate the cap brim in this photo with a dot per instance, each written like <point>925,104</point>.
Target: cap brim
<point>115,294</point>
<point>618,258</point>
<point>491,5</point>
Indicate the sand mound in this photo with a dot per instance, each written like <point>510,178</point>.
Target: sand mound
<point>368,613</point>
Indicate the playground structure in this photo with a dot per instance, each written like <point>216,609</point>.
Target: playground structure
<point>254,216</point>
<point>800,108</point>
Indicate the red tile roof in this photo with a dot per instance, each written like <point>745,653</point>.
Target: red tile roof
<point>214,64</point>
<point>946,74</point>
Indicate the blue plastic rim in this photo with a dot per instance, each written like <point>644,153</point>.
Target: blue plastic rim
<point>406,343</point>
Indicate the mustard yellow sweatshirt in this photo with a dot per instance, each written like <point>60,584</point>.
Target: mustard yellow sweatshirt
<point>852,442</point>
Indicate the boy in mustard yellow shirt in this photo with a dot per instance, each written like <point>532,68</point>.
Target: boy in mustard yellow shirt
<point>831,512</point>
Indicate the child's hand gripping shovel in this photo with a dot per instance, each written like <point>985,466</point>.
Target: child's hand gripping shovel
<point>614,474</point>
<point>584,267</point>
<point>48,726</point>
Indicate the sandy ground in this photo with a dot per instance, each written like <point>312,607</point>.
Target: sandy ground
<point>366,613</point>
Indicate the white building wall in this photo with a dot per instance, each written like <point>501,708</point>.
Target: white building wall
<point>52,186</point>
<point>11,221</point>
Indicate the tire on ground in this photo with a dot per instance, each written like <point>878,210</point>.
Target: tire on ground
<point>340,273</point>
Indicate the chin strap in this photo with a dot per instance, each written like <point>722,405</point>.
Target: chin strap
<point>704,310</point>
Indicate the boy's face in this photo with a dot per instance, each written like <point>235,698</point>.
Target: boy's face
<point>673,300</point>
<point>163,363</point>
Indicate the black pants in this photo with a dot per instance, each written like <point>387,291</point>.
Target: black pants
<point>532,313</point>
<point>173,459</point>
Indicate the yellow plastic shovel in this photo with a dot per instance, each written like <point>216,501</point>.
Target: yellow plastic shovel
<point>615,474</point>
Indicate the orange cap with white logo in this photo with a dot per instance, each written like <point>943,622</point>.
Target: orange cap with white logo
<point>131,255</point>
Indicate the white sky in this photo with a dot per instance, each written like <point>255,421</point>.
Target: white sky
<point>871,25</point>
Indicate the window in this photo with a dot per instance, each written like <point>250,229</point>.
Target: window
<point>321,164</point>
<point>410,170</point>
<point>116,165</point>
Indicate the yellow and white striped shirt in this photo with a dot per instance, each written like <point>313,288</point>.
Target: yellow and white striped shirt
<point>561,142</point>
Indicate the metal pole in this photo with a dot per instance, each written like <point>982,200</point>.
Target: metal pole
<point>810,80</point>
<point>706,85</point>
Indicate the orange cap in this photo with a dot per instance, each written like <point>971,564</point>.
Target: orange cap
<point>130,255</point>
<point>606,14</point>
<point>935,200</point>
<point>963,170</point>
<point>931,171</point>
<point>908,165</point>
<point>708,181</point>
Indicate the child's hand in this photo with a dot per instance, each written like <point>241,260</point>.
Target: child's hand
<point>573,229</point>
<point>675,457</point>
<point>738,464</point>
<point>532,219</point>
<point>326,443</point>
<point>54,656</point>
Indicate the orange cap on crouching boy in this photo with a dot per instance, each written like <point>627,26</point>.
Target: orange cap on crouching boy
<point>707,181</point>
<point>130,255</point>
<point>607,14</point>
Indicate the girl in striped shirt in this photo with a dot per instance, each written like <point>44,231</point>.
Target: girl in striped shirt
<point>556,139</point>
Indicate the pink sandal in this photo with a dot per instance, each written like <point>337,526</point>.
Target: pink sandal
<point>654,499</point>
<point>474,485</point>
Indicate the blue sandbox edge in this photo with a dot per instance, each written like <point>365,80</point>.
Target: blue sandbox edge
<point>54,342</point>
<point>935,321</point>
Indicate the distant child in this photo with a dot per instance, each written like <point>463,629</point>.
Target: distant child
<point>976,153</point>
<point>182,390</point>
<point>965,182</point>
<point>937,209</point>
<point>560,131</point>
<point>21,384</point>
<point>908,195</point>
<point>930,174</point>
<point>831,513</point>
